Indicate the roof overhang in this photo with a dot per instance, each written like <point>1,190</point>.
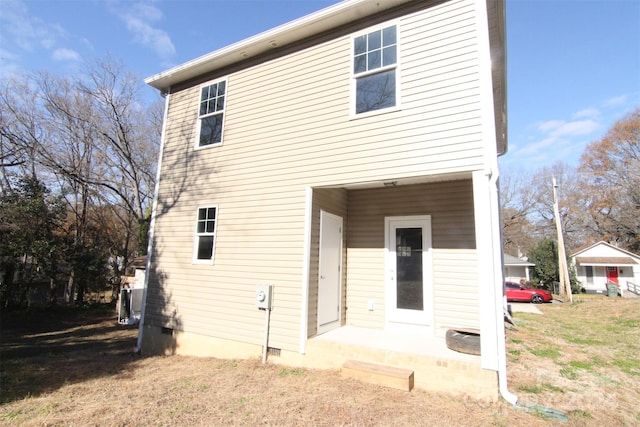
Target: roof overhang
<point>605,261</point>
<point>299,29</point>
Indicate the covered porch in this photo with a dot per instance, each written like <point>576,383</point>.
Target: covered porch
<point>356,307</point>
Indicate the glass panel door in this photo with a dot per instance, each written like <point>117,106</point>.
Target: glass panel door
<point>409,271</point>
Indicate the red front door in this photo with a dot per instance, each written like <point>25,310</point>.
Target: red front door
<point>612,274</point>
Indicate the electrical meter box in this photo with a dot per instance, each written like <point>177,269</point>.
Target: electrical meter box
<point>263,296</point>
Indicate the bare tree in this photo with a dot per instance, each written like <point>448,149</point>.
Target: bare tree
<point>611,167</point>
<point>97,139</point>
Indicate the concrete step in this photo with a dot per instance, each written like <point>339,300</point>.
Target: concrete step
<point>388,376</point>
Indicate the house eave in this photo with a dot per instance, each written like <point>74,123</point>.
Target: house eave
<point>605,261</point>
<point>299,29</point>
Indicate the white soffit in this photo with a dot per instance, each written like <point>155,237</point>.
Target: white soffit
<point>299,29</point>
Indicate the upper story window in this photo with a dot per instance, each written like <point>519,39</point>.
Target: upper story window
<point>205,234</point>
<point>211,113</point>
<point>375,58</point>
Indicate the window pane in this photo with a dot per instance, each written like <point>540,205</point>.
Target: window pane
<point>221,88</point>
<point>202,213</point>
<point>359,64</point>
<point>211,213</point>
<point>211,130</point>
<point>389,36</point>
<point>374,60</point>
<point>220,103</point>
<point>409,283</point>
<point>204,94</point>
<point>389,56</point>
<point>205,247</point>
<point>203,108</point>
<point>374,40</point>
<point>376,91</point>
<point>360,45</point>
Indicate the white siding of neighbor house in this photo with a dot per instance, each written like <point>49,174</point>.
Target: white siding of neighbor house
<point>630,272</point>
<point>288,127</point>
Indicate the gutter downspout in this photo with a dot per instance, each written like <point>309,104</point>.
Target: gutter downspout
<point>498,274</point>
<point>152,224</point>
<point>491,154</point>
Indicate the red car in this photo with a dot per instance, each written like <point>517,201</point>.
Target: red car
<point>517,292</point>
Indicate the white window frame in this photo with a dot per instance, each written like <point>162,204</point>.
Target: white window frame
<point>396,67</point>
<point>197,235</point>
<point>199,117</point>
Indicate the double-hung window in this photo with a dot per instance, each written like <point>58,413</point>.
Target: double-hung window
<point>211,113</point>
<point>375,59</point>
<point>205,234</point>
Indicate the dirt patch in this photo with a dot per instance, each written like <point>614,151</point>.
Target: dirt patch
<point>82,371</point>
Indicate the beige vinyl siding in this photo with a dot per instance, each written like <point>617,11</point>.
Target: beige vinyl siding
<point>288,127</point>
<point>450,205</point>
<point>455,284</point>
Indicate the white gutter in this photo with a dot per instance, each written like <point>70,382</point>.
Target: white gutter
<point>489,132</point>
<point>152,225</point>
<point>499,279</point>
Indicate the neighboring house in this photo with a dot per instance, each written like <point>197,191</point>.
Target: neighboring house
<point>348,159</point>
<point>516,269</point>
<point>601,263</point>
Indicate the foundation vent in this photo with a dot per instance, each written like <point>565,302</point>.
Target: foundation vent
<point>272,351</point>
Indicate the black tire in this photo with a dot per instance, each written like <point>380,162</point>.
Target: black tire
<point>537,299</point>
<point>463,342</point>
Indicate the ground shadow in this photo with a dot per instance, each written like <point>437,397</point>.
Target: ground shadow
<point>42,351</point>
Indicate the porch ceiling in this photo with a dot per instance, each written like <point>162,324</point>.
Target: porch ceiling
<point>393,182</point>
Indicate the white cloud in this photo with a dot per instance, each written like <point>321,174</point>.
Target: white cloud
<point>139,19</point>
<point>616,101</point>
<point>28,35</point>
<point>64,54</point>
<point>27,32</point>
<point>587,112</point>
<point>559,128</point>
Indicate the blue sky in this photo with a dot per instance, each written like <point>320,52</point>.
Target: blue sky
<point>573,65</point>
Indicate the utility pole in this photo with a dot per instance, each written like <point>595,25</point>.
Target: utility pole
<point>565,282</point>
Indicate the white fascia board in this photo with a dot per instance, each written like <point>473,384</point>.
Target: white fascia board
<point>299,29</point>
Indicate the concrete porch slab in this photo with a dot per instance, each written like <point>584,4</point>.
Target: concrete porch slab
<point>408,343</point>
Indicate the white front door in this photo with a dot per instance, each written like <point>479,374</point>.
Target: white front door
<point>409,271</point>
<point>329,272</point>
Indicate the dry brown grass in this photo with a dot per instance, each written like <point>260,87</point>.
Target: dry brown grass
<point>583,359</point>
<point>80,371</point>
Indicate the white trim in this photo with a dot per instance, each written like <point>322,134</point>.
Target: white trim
<point>152,225</point>
<point>199,118</point>
<point>306,260</point>
<point>354,78</point>
<point>196,235</point>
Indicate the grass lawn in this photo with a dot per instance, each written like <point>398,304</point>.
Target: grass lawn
<point>77,368</point>
<point>581,358</point>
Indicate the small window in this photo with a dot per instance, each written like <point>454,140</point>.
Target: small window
<point>211,113</point>
<point>588,270</point>
<point>205,234</point>
<point>375,58</point>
